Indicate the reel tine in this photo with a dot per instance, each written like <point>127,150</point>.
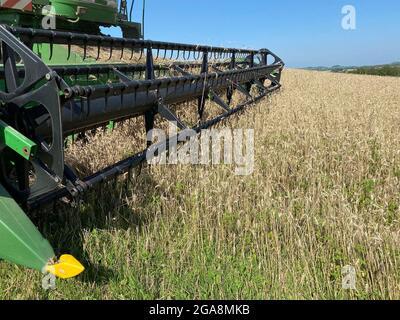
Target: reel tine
<point>122,53</point>
<point>85,46</point>
<point>132,51</point>
<point>98,51</point>
<point>111,50</point>
<point>51,50</point>
<point>69,46</point>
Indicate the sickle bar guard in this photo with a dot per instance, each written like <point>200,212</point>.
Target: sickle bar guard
<point>43,103</point>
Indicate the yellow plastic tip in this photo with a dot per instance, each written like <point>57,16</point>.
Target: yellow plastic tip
<point>66,267</point>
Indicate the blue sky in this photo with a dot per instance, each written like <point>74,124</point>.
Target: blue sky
<point>303,33</point>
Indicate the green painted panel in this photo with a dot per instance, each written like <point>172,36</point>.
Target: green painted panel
<point>16,141</point>
<point>99,11</point>
<point>20,241</point>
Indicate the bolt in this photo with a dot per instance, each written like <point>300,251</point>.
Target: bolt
<point>67,93</point>
<point>48,76</point>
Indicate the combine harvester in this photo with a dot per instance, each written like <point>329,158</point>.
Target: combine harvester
<point>55,84</point>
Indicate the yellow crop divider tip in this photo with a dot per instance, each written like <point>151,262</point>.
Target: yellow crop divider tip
<point>67,267</point>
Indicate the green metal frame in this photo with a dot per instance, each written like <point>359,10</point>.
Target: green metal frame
<point>98,12</point>
<point>16,141</point>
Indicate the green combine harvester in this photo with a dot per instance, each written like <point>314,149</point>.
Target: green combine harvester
<point>56,84</point>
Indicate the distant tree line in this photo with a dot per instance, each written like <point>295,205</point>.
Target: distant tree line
<point>389,71</point>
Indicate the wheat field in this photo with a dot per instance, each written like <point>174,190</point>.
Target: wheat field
<point>324,194</point>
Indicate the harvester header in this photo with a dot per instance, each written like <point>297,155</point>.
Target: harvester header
<point>56,85</point>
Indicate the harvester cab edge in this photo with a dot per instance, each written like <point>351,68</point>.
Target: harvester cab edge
<point>70,15</point>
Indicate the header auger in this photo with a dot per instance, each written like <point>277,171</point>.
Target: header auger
<point>58,83</point>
